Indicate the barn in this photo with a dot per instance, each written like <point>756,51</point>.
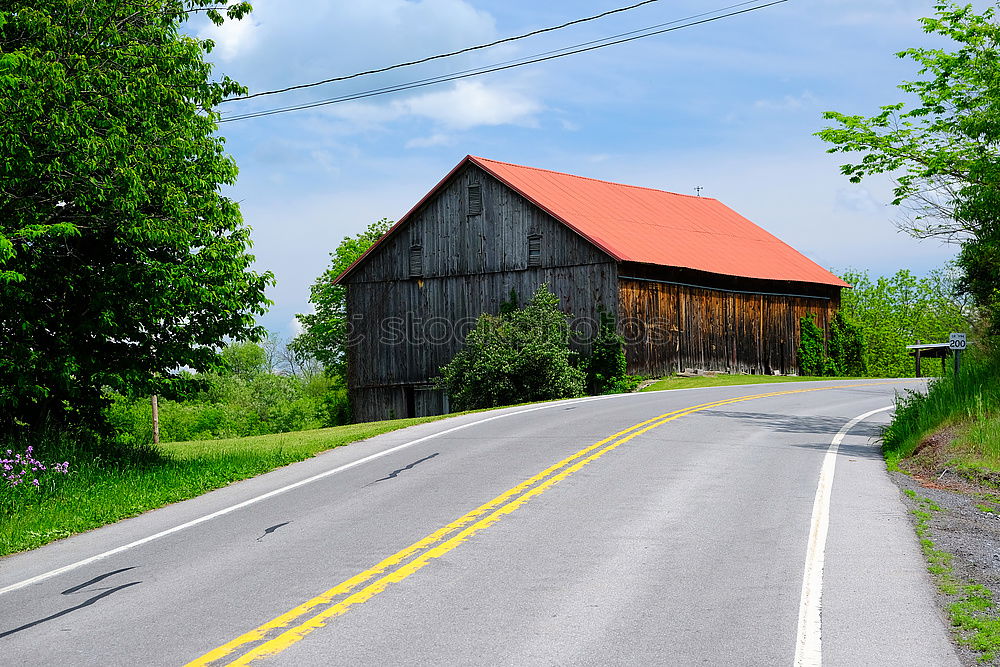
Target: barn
<point>693,284</point>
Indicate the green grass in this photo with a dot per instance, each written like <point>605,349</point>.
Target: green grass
<point>723,380</point>
<point>978,444</point>
<point>118,484</point>
<point>970,404</point>
<point>972,613</point>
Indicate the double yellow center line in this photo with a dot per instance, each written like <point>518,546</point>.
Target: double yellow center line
<point>282,632</point>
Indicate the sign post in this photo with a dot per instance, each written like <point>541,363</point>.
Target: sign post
<point>956,343</point>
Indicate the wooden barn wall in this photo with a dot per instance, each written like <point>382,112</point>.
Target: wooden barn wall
<point>670,327</point>
<point>404,329</point>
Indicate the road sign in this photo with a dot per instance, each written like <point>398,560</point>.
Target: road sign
<point>956,341</point>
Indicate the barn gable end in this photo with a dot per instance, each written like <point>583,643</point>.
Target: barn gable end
<point>405,327</point>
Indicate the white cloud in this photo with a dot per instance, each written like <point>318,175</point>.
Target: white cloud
<point>232,38</point>
<point>472,103</point>
<point>465,105</point>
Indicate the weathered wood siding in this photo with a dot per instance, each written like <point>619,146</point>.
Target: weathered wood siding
<point>457,244</point>
<point>670,327</point>
<point>405,328</point>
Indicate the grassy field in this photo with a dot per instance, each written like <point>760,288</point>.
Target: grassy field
<point>723,380</point>
<point>99,492</point>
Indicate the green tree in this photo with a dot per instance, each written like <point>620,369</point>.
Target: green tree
<point>520,356</point>
<point>119,257</point>
<point>324,332</point>
<point>245,360</point>
<point>944,149</point>
<point>899,310</point>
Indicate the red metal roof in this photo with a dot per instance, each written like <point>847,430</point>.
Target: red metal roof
<point>634,224</point>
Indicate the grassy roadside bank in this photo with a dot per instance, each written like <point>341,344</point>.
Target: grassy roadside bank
<point>130,482</point>
<point>955,425</point>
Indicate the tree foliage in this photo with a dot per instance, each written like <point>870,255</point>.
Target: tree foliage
<point>811,352</point>
<point>325,331</point>
<point>878,318</point>
<point>607,371</point>
<point>899,310</point>
<point>846,349</point>
<point>519,356</point>
<point>944,149</point>
<point>119,257</point>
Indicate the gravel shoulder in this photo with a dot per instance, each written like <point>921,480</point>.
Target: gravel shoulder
<point>966,526</point>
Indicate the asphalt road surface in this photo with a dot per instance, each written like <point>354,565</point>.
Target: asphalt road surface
<point>695,527</point>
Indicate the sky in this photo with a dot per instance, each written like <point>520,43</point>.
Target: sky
<point>729,106</point>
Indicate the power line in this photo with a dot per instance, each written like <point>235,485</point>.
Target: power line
<point>444,55</point>
<point>551,55</point>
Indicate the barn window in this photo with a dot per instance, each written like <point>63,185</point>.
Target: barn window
<point>535,250</point>
<point>416,261</point>
<point>475,199</point>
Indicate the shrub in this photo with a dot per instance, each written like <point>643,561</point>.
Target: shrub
<point>811,353</point>
<point>519,356</point>
<point>253,402</point>
<point>606,367</point>
<point>847,348</point>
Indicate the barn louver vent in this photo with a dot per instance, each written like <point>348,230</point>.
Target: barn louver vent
<point>416,261</point>
<point>475,199</point>
<point>535,250</point>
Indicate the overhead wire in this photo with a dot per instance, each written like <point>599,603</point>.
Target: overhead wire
<point>621,38</point>
<point>469,49</point>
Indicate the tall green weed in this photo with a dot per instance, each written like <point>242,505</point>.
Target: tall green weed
<point>972,396</point>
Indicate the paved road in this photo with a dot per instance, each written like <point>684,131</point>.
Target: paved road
<point>683,541</point>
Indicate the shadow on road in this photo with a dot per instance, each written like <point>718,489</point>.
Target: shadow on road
<point>815,424</point>
<point>822,428</point>
<point>86,603</point>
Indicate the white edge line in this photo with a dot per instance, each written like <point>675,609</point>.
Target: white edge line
<point>275,492</point>
<point>808,644</point>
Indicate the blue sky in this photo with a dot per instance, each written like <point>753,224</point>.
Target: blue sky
<point>730,106</point>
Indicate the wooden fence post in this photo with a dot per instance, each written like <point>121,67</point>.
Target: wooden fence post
<point>156,420</point>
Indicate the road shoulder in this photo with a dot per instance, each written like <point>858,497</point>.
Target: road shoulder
<point>874,566</point>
